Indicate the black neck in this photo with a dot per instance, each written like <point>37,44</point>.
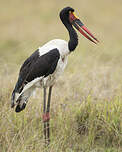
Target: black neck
<point>73,41</point>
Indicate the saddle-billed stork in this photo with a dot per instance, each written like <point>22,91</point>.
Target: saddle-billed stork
<point>46,64</point>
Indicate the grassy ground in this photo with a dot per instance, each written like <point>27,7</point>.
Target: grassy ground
<point>86,110</point>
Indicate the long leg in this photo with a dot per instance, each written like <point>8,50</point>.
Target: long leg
<point>48,114</point>
<point>49,99</point>
<point>44,113</point>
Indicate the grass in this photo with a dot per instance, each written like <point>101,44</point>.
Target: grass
<point>86,109</point>
<point>87,125</point>
<point>100,123</point>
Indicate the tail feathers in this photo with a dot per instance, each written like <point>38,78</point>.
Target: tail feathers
<point>18,108</point>
<point>14,97</point>
<point>20,95</point>
<point>20,100</point>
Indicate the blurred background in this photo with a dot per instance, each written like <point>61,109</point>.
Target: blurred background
<point>27,24</point>
<point>92,69</point>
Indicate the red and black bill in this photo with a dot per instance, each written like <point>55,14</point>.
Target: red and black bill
<point>82,28</point>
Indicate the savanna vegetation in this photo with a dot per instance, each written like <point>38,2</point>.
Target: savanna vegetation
<point>86,108</point>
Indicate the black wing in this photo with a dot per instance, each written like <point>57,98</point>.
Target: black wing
<point>37,66</point>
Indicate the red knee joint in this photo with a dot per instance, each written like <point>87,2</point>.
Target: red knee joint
<point>46,117</point>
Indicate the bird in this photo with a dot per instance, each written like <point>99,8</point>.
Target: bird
<point>46,64</point>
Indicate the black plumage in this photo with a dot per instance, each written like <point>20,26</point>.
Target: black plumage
<point>36,66</point>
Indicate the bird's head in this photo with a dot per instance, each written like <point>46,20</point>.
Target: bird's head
<point>68,16</point>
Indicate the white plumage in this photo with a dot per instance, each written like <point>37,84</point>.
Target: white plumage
<point>61,45</point>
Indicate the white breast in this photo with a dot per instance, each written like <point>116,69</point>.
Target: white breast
<point>61,45</point>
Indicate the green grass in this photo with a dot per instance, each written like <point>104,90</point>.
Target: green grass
<point>76,126</point>
<point>101,123</point>
<point>86,107</point>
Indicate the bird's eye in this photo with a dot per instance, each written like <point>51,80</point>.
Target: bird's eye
<point>72,17</point>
